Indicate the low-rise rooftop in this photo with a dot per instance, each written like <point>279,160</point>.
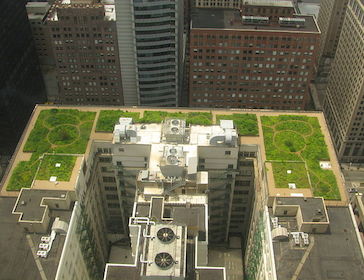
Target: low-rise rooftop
<point>232,19</point>
<point>334,255</point>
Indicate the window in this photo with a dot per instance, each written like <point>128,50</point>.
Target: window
<point>230,166</point>
<point>227,152</point>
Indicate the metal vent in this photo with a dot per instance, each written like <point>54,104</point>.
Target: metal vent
<point>175,122</point>
<point>172,159</point>
<point>164,260</point>
<point>165,235</point>
<point>173,151</point>
<point>174,129</point>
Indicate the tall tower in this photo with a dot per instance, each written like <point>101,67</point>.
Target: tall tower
<point>21,82</point>
<point>84,43</point>
<point>330,21</point>
<point>344,103</point>
<point>150,46</point>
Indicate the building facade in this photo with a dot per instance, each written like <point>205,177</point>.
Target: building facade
<point>150,39</point>
<point>85,50</point>
<point>344,102</point>
<point>244,60</point>
<point>21,82</point>
<point>330,20</point>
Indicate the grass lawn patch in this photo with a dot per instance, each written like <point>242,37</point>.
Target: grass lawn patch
<point>56,165</point>
<point>58,127</point>
<point>22,176</point>
<point>196,118</point>
<point>246,124</point>
<point>55,131</point>
<point>299,138</point>
<point>108,118</point>
<point>290,172</point>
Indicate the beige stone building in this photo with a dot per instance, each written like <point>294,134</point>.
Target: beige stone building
<point>330,20</point>
<point>344,103</point>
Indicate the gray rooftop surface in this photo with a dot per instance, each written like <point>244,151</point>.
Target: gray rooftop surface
<point>16,258</point>
<point>334,256</point>
<point>31,209</point>
<point>309,207</point>
<point>230,19</point>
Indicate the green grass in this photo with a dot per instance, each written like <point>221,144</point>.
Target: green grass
<point>196,118</point>
<point>297,176</point>
<point>299,138</point>
<point>23,175</point>
<point>55,131</point>
<point>48,167</point>
<point>246,124</point>
<point>108,118</point>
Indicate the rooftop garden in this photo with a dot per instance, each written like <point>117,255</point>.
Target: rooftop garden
<point>299,138</point>
<point>108,118</point>
<point>286,173</point>
<point>197,118</point>
<point>246,124</point>
<point>55,131</point>
<point>60,166</point>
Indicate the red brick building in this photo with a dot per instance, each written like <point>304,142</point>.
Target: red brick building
<point>250,61</point>
<point>85,48</point>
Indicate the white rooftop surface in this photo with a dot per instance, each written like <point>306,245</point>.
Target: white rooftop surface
<point>200,135</point>
<point>151,134</point>
<point>156,154</point>
<point>181,199</point>
<point>175,249</point>
<point>275,3</point>
<point>309,9</point>
<point>110,12</point>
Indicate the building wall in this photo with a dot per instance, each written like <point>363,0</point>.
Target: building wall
<point>158,27</point>
<point>41,34</point>
<point>330,20</point>
<point>344,103</point>
<point>85,49</point>
<point>127,51</point>
<point>72,264</point>
<point>21,82</point>
<point>251,69</point>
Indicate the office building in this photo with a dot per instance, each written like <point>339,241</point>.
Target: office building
<point>330,20</point>
<point>344,102</point>
<point>155,199</point>
<point>150,40</point>
<point>85,49</point>
<point>217,4</point>
<point>21,83</point>
<point>253,58</point>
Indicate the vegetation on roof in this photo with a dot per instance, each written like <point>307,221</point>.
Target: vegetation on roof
<point>108,118</point>
<point>299,138</point>
<point>246,124</point>
<point>290,173</point>
<point>196,118</point>
<point>55,131</point>
<point>60,166</point>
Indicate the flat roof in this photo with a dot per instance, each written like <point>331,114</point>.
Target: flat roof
<point>310,207</point>
<point>29,203</point>
<point>18,259</point>
<point>20,155</point>
<point>273,3</point>
<point>229,19</point>
<point>335,255</point>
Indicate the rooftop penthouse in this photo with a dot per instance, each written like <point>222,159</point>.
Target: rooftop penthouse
<point>240,21</point>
